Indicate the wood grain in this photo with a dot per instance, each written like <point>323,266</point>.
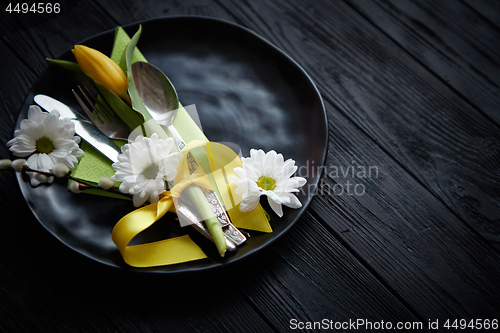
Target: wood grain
<point>490,9</point>
<point>319,280</point>
<point>442,36</point>
<point>421,245</point>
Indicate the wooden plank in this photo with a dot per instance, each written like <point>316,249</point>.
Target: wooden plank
<point>16,80</point>
<point>124,12</point>
<point>318,280</point>
<point>442,36</point>
<point>47,287</point>
<point>200,305</point>
<point>421,249</point>
<point>57,36</point>
<point>201,302</point>
<point>488,8</point>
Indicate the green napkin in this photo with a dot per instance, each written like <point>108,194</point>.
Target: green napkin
<point>92,167</point>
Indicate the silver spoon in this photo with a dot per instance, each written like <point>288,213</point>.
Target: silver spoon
<point>159,96</point>
<point>160,99</point>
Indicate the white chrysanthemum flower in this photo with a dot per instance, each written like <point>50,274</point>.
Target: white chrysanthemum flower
<point>267,174</point>
<point>47,140</point>
<point>144,166</point>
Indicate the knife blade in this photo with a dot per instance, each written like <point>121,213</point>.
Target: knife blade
<point>84,128</point>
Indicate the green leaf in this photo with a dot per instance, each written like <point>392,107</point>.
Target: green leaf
<point>137,103</point>
<point>72,66</point>
<point>120,44</point>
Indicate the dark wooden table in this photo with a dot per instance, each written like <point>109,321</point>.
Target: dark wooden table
<point>410,87</point>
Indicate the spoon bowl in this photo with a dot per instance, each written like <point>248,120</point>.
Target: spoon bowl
<point>159,96</point>
<point>156,91</point>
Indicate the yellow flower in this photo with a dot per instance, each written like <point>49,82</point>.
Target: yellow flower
<point>102,69</point>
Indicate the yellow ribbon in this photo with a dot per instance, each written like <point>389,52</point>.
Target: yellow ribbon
<point>212,173</point>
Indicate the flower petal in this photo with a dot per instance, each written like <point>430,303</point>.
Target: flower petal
<point>249,205</point>
<point>240,172</point>
<point>139,199</point>
<point>293,201</point>
<point>45,162</point>
<point>275,206</point>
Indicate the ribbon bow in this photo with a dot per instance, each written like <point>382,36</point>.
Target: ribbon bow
<point>213,175</point>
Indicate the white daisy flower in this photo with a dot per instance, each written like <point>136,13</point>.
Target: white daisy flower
<point>47,140</point>
<point>144,166</point>
<point>267,174</point>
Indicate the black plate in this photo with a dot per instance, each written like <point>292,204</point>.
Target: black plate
<point>246,91</point>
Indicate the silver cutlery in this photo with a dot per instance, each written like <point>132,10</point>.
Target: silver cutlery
<point>84,128</point>
<point>160,99</point>
<point>113,127</point>
<point>101,114</point>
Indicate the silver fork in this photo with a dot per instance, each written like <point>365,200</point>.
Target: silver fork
<point>101,114</point>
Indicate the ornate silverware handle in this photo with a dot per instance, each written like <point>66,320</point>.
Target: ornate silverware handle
<point>179,142</point>
<point>230,231</point>
<point>195,222</point>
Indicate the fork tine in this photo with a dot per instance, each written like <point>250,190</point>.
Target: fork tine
<point>101,115</point>
<point>102,108</point>
<point>93,117</point>
<point>96,105</point>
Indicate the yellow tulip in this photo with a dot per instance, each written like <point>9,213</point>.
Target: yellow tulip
<point>102,69</point>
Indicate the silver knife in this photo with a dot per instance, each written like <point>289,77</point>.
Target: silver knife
<point>84,128</point>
